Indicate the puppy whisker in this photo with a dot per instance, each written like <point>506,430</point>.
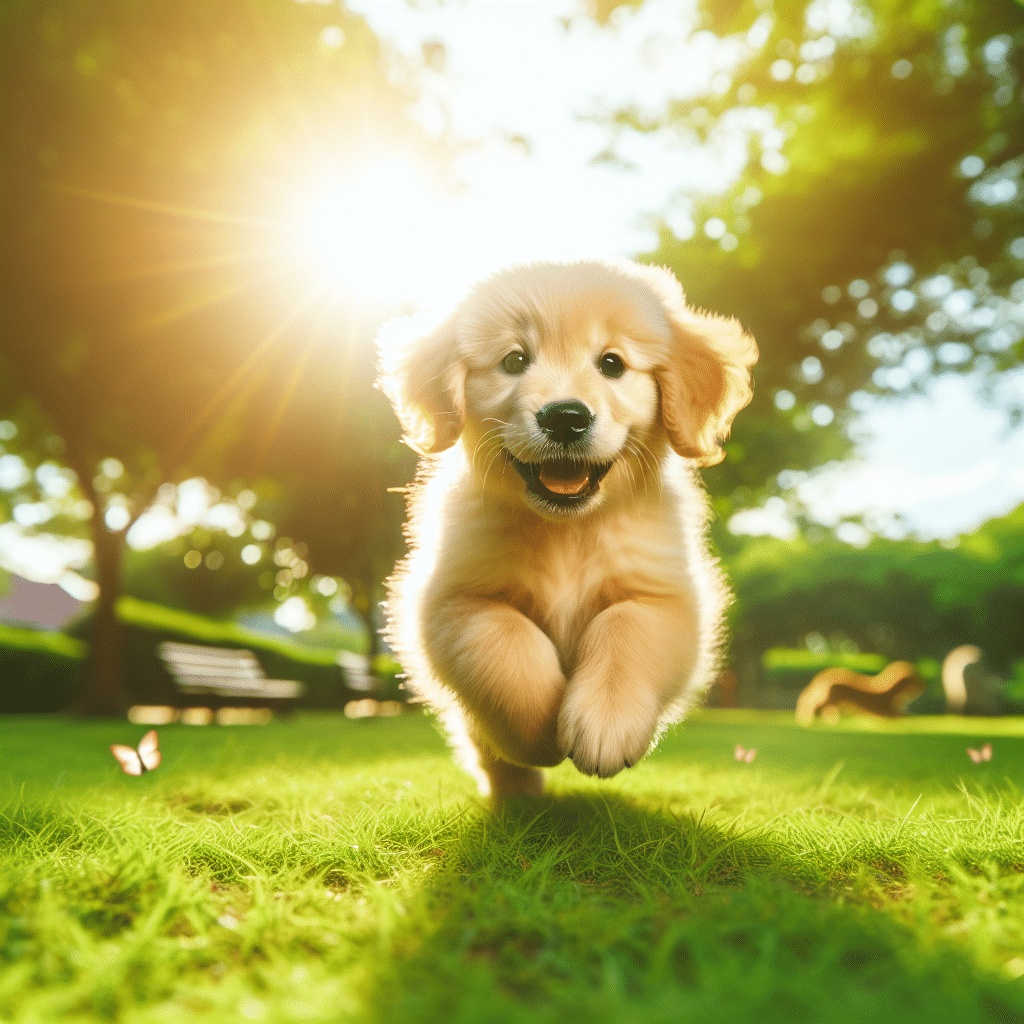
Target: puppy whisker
<point>650,463</point>
<point>632,481</point>
<point>485,439</point>
<point>496,454</point>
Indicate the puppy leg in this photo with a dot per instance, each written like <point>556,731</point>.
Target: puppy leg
<point>494,778</point>
<point>505,779</point>
<point>634,659</point>
<point>506,675</point>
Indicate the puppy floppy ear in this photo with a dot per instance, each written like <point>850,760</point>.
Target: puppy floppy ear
<point>704,380</point>
<point>420,371</point>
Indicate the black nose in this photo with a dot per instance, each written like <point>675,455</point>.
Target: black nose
<point>565,422</point>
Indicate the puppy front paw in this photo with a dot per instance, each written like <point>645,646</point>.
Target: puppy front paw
<point>602,732</point>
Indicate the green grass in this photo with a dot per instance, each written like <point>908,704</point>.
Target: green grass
<point>322,869</point>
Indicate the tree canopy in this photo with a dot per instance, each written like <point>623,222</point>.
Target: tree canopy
<point>875,235</point>
<point>155,306</point>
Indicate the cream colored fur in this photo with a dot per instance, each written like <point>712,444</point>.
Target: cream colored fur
<point>538,633</point>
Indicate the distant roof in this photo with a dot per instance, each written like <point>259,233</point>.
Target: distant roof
<point>37,605</point>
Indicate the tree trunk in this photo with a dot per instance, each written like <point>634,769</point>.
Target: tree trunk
<point>372,636</point>
<point>745,656</point>
<point>105,692</point>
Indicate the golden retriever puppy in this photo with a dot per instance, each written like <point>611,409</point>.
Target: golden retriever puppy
<point>558,599</point>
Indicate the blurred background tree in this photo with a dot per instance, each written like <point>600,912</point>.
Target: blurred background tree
<point>157,314</point>
<point>906,599</point>
<point>875,235</point>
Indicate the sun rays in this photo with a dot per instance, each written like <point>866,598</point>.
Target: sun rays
<point>339,245</point>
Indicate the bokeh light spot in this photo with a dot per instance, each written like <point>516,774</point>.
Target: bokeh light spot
<point>971,166</point>
<point>811,370</point>
<point>714,227</point>
<point>251,554</point>
<point>822,415</point>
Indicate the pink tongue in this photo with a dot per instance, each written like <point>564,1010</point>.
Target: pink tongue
<point>564,485</point>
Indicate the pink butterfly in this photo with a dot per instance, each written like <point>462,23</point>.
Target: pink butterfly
<point>745,755</point>
<point>135,762</point>
<point>977,756</point>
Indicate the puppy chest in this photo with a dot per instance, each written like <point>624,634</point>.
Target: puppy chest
<point>561,591</point>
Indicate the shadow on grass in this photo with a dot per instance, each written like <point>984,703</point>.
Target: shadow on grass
<point>610,841</point>
<point>590,908</point>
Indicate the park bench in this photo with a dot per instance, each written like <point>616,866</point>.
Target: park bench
<point>225,677</point>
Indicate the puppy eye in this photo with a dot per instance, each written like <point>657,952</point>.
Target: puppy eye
<point>611,365</point>
<point>515,363</point>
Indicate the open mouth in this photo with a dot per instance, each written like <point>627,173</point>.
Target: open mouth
<point>562,482</point>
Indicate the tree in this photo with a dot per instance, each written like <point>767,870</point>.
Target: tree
<point>902,599</point>
<point>154,303</point>
<point>874,236</point>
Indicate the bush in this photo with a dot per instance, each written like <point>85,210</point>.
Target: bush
<point>40,671</point>
<point>789,669</point>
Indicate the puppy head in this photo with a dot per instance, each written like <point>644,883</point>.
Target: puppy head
<point>573,375</point>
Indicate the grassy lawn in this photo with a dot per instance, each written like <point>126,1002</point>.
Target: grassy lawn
<point>323,869</point>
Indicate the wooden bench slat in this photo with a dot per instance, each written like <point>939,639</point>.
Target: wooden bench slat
<point>196,664</point>
<point>276,689</point>
<point>188,658</point>
<point>186,654</point>
<point>215,670</point>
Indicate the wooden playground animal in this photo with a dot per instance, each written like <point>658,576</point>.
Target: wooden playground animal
<point>970,685</point>
<point>886,694</point>
<point>953,671</point>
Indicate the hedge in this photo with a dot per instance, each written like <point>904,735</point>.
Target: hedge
<point>44,671</point>
<point>38,671</point>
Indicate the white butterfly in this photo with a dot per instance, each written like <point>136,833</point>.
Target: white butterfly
<point>977,756</point>
<point>745,755</point>
<point>135,762</point>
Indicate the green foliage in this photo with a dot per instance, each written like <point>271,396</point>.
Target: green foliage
<point>160,575</point>
<point>322,869</point>
<point>153,305</point>
<point>902,599</point>
<point>792,668</point>
<point>857,244</point>
<point>784,659</point>
<point>15,639</point>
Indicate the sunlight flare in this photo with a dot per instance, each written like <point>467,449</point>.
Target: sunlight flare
<point>373,235</point>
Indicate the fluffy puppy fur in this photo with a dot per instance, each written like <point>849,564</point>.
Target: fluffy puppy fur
<point>558,599</point>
